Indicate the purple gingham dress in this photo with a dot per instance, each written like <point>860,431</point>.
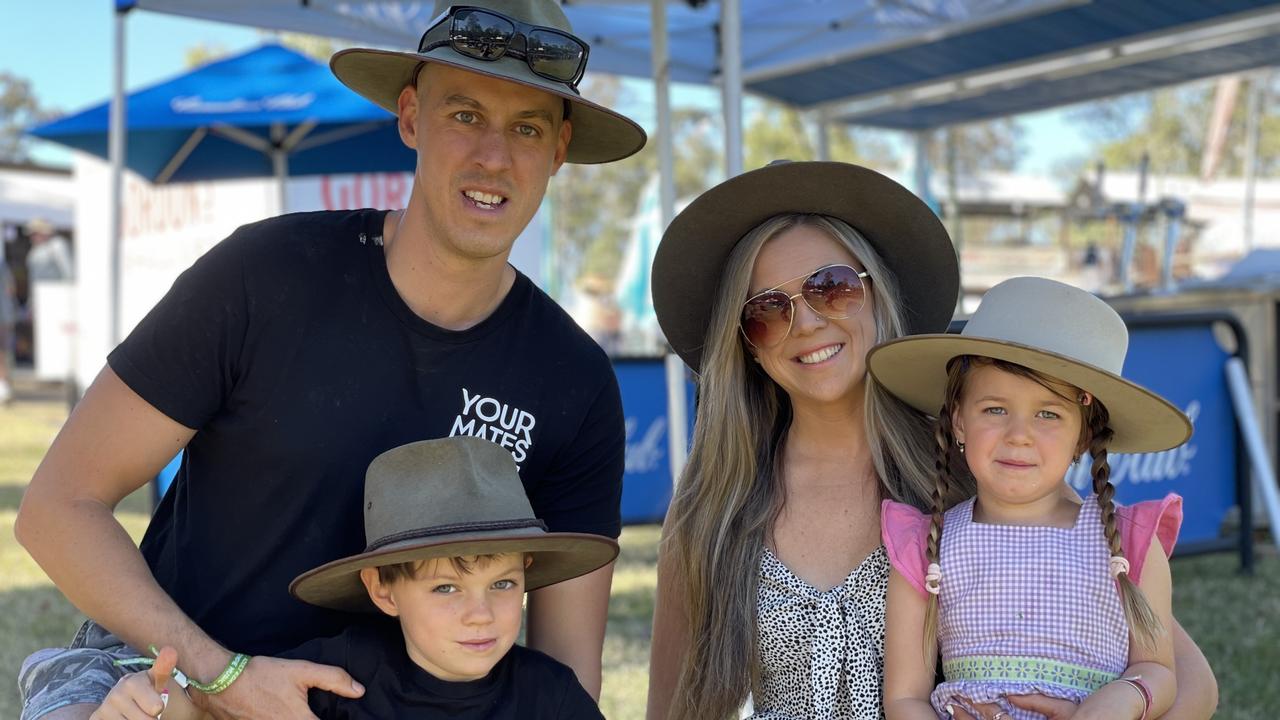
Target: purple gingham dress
<point>1027,609</point>
<point>1023,609</point>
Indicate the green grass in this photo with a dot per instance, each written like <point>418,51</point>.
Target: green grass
<point>1235,619</point>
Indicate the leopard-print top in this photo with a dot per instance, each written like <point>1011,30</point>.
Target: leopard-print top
<point>822,652</point>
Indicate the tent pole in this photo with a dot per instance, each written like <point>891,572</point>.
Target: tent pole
<point>822,126</point>
<point>662,101</point>
<point>731,74</point>
<point>677,413</point>
<point>279,163</point>
<point>1257,89</point>
<point>115,152</point>
<point>955,220</point>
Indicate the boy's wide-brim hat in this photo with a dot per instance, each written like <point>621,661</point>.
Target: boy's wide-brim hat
<point>905,233</point>
<point>599,134</point>
<point>1061,331</point>
<point>458,496</point>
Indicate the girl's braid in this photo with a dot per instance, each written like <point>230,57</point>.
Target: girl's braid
<point>1143,622</point>
<point>944,485</point>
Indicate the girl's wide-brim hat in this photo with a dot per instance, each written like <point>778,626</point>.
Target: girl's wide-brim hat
<point>458,496</point>
<point>903,230</point>
<point>599,134</point>
<point>1052,328</point>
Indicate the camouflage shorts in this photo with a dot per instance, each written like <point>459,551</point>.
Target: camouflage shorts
<point>82,673</point>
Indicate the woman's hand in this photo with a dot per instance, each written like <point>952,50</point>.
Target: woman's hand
<point>1051,708</point>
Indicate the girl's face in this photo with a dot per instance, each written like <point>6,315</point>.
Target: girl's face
<point>1019,436</point>
<point>821,361</point>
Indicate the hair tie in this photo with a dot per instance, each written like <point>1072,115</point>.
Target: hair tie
<point>1119,564</point>
<point>932,577</point>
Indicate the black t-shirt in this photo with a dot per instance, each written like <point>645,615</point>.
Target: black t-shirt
<point>289,351</point>
<point>525,684</point>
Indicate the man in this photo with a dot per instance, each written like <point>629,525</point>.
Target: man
<point>301,347</point>
<point>50,255</point>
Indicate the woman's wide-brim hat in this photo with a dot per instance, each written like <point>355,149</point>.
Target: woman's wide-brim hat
<point>458,496</point>
<point>599,134</point>
<point>908,237</point>
<point>1058,330</point>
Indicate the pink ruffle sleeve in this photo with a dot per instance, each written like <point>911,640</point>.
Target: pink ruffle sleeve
<point>905,530</point>
<point>1140,522</point>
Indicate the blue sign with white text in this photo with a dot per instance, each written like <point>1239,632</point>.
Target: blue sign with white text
<point>646,485</point>
<point>1185,365</point>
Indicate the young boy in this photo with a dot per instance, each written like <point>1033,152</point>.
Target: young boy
<point>453,545</point>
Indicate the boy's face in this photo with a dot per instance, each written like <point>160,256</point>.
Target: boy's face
<point>457,625</point>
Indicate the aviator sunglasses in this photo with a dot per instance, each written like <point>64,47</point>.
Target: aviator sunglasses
<point>835,292</point>
<point>488,35</point>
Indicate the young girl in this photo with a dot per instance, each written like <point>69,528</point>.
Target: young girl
<point>1024,589</point>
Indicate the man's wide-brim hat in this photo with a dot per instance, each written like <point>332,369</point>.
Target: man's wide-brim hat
<point>906,234</point>
<point>1058,330</point>
<point>599,134</point>
<point>459,496</point>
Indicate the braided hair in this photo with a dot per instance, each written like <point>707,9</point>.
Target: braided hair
<point>1143,622</point>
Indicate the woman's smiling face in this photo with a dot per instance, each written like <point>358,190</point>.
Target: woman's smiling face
<point>821,361</point>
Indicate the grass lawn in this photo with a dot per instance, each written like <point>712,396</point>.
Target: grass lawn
<point>1235,619</point>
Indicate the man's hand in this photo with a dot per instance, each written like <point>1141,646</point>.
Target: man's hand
<point>274,689</point>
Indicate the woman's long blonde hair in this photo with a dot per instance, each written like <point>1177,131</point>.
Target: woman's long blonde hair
<point>730,493</point>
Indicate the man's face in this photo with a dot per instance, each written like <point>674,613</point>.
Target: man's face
<point>486,149</point>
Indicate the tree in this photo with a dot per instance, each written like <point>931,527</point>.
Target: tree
<point>992,145</point>
<point>19,111</point>
<point>1170,126</point>
<point>777,132</point>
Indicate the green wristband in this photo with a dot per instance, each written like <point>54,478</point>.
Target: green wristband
<point>238,663</point>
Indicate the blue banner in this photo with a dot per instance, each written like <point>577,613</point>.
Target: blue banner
<point>646,486</point>
<point>1184,364</point>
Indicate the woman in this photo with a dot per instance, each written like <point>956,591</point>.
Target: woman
<point>771,577</point>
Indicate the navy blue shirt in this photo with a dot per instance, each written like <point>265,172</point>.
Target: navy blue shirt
<point>288,350</point>
<point>524,685</point>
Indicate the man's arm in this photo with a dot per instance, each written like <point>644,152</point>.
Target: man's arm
<point>567,622</point>
<point>114,443</point>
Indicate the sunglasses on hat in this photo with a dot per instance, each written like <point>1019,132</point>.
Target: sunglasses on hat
<point>835,292</point>
<point>484,34</point>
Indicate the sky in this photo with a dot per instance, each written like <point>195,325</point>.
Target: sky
<point>64,47</point>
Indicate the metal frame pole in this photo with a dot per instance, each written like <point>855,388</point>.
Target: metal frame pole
<point>115,153</point>
<point>677,417</point>
<point>731,74</point>
<point>1253,121</point>
<point>662,100</point>
<point>822,124</point>
<point>1264,475</point>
